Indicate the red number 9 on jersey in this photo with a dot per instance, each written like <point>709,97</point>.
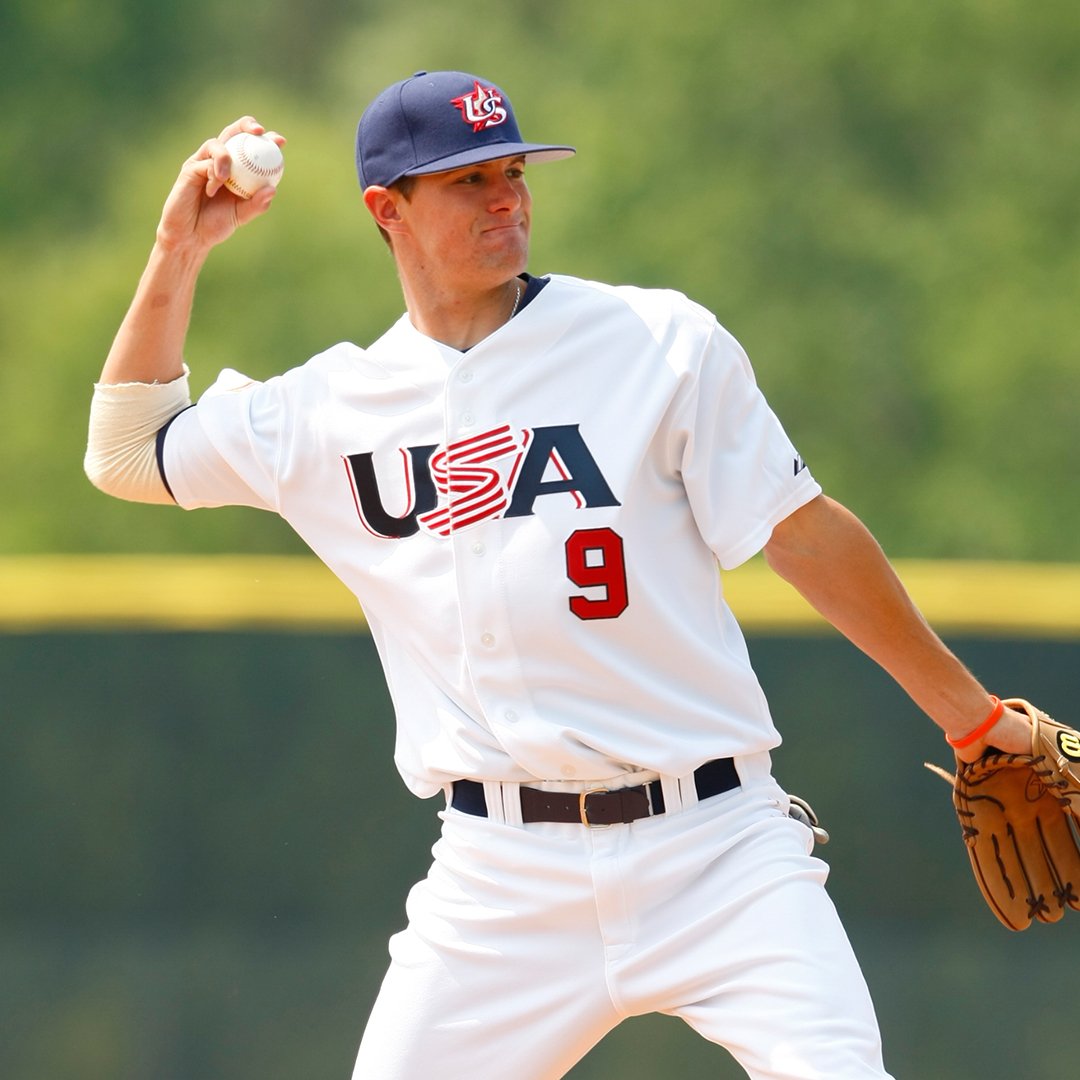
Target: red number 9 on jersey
<point>594,560</point>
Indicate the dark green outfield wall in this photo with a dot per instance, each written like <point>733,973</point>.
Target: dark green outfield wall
<point>204,847</point>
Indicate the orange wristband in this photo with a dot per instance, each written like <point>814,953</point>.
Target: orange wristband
<point>982,729</point>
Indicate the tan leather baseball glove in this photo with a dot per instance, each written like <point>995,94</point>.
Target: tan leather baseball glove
<point>1019,818</point>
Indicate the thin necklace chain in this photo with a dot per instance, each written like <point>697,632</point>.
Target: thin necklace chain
<point>517,299</point>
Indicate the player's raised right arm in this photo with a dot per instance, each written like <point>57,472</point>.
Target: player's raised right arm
<point>143,384</point>
<point>199,214</point>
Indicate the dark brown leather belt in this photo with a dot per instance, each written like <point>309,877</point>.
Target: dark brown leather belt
<point>598,806</point>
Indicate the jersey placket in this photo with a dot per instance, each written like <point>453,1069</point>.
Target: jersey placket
<point>476,446</point>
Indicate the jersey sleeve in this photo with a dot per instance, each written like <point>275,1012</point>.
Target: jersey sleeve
<point>226,450</point>
<point>742,473</point>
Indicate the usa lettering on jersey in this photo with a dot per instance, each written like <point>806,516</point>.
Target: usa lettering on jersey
<point>497,473</point>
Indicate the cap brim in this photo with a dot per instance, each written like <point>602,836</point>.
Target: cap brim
<point>493,152</point>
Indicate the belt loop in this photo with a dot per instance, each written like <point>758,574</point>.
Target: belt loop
<point>672,789</point>
<point>510,801</point>
<point>688,795</point>
<point>493,796</point>
<point>754,767</point>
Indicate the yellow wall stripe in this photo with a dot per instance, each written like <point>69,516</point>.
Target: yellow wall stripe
<point>212,592</point>
<point>984,598</point>
<point>223,592</point>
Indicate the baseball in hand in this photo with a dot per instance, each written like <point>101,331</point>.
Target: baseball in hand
<point>257,162</point>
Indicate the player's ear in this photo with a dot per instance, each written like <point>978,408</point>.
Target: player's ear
<point>382,204</point>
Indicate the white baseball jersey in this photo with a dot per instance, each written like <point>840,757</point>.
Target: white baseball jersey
<point>532,527</point>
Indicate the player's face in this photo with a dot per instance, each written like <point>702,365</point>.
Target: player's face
<point>472,223</point>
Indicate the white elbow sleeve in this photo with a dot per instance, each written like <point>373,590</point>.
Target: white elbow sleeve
<point>121,450</point>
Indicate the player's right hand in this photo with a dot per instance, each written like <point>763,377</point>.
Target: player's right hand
<point>200,211</point>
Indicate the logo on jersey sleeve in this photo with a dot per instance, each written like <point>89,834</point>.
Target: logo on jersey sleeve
<point>498,473</point>
<point>483,108</point>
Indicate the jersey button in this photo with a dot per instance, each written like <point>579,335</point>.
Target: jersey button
<point>568,771</point>
<point>487,640</point>
<point>478,548</point>
<point>467,419</point>
<point>510,716</point>
<point>465,377</point>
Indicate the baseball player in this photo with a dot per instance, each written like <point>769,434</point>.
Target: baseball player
<point>528,482</point>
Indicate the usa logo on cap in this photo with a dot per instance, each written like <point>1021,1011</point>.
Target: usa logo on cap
<point>483,108</point>
<point>436,121</point>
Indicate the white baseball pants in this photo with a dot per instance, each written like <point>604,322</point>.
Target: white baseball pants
<point>527,944</point>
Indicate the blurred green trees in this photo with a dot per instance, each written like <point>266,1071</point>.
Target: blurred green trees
<point>879,200</point>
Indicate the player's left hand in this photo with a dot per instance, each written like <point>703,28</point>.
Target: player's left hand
<point>1018,812</point>
<point>1011,735</point>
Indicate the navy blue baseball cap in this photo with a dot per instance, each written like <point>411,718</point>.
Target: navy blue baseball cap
<point>436,121</point>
